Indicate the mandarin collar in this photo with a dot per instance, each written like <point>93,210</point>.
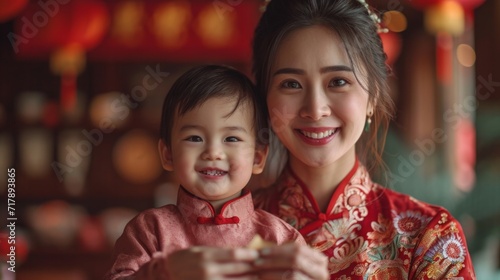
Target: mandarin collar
<point>200,211</point>
<point>350,193</point>
<point>350,177</point>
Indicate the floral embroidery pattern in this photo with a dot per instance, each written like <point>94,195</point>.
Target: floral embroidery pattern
<point>410,223</point>
<point>375,233</point>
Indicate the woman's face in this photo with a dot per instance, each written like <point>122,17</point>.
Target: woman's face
<point>317,106</point>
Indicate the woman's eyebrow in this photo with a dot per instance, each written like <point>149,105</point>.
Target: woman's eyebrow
<point>336,68</point>
<point>289,71</point>
<point>297,71</point>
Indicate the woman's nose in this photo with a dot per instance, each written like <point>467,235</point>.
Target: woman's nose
<point>315,104</point>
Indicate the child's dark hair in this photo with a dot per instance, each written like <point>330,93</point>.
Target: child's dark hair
<point>357,30</point>
<point>201,83</point>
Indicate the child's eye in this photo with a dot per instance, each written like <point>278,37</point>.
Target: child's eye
<point>194,138</point>
<point>338,82</point>
<point>232,139</point>
<point>290,84</point>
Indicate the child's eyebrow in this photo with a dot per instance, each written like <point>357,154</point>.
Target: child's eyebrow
<point>231,128</point>
<point>236,128</point>
<point>190,126</point>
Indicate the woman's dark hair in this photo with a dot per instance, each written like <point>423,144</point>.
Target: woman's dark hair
<point>199,84</point>
<point>358,31</point>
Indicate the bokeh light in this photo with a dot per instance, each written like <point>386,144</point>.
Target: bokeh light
<point>466,55</point>
<point>395,21</point>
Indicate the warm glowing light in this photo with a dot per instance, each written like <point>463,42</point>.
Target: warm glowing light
<point>171,23</point>
<point>447,17</point>
<point>395,21</point>
<point>105,113</point>
<point>135,157</point>
<point>466,55</point>
<point>215,29</point>
<point>69,59</point>
<point>127,22</point>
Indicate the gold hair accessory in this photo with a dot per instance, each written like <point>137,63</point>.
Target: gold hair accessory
<point>374,17</point>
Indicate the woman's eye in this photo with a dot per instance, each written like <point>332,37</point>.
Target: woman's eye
<point>338,82</point>
<point>194,139</point>
<point>290,84</point>
<point>232,139</point>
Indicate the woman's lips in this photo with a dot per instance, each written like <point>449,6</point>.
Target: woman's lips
<point>317,136</point>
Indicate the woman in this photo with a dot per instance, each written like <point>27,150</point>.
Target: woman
<point>321,66</point>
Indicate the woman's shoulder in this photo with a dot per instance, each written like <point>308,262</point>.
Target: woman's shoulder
<point>432,232</point>
<point>398,201</point>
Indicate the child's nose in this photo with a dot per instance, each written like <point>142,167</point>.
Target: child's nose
<point>213,152</point>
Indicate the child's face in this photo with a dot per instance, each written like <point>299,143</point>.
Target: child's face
<point>213,154</point>
<point>316,104</point>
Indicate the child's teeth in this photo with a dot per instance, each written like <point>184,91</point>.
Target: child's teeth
<point>214,172</point>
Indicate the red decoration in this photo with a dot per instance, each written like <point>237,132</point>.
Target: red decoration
<point>66,31</point>
<point>20,246</point>
<point>140,35</point>
<point>50,114</point>
<point>444,56</point>
<point>392,46</point>
<point>465,152</point>
<point>10,8</point>
<point>91,235</point>
<point>466,4</point>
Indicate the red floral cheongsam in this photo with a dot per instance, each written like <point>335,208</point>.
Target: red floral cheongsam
<point>370,232</point>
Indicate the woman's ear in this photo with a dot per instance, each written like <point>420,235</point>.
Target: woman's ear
<point>165,156</point>
<point>259,161</point>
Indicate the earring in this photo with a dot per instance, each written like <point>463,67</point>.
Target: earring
<point>368,122</point>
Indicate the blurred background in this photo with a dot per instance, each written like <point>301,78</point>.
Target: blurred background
<point>81,89</point>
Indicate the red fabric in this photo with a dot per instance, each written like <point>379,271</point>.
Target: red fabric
<point>370,232</point>
<point>154,234</point>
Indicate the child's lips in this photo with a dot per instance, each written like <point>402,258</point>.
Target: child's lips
<point>213,172</point>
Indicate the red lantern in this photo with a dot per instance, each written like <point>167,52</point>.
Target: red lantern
<point>66,31</point>
<point>88,22</point>
<point>77,27</point>
<point>10,8</point>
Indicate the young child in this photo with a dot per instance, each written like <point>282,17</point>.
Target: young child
<point>212,131</point>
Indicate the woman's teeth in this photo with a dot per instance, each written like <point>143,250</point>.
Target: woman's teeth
<point>318,135</point>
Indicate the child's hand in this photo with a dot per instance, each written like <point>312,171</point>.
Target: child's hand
<point>211,263</point>
<point>292,261</point>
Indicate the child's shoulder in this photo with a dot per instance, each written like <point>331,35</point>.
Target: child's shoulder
<point>155,215</point>
<point>274,229</point>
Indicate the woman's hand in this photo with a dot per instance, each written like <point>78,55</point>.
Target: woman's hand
<point>292,261</point>
<point>211,263</point>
